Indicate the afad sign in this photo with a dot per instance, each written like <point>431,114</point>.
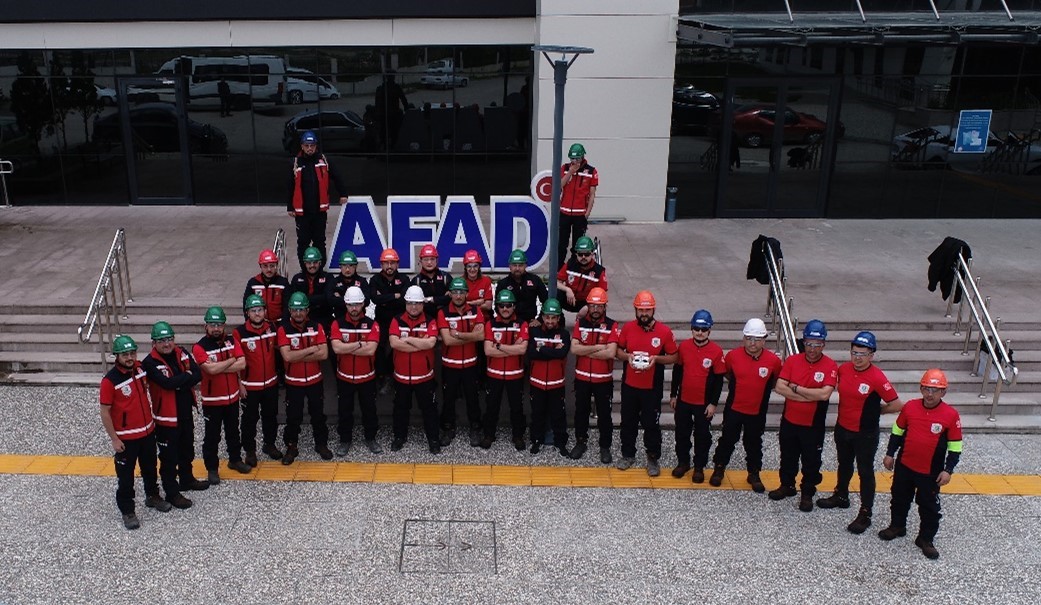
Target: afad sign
<point>454,226</point>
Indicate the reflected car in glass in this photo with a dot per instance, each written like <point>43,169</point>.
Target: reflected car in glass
<point>693,110</point>
<point>155,126</point>
<point>754,126</point>
<point>934,147</point>
<point>303,86</point>
<point>336,130</point>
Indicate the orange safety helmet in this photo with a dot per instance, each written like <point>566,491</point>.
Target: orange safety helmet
<point>471,256</point>
<point>596,296</point>
<point>267,256</point>
<point>644,300</point>
<point>390,254</point>
<point>934,378</point>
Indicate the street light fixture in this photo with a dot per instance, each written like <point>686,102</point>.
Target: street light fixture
<point>560,67</point>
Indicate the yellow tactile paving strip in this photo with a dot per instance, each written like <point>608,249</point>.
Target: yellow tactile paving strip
<point>467,474</point>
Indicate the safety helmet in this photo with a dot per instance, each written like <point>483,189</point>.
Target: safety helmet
<point>458,284</point>
<point>644,300</point>
<point>472,256</point>
<point>428,250</point>
<point>390,254</point>
<point>518,257</point>
<point>934,378</point>
<point>215,315</point>
<point>253,301</point>
<point>161,329</point>
<point>584,244</point>
<point>864,339</point>
<point>309,137</point>
<point>597,296</point>
<point>123,344</point>
<point>354,296</point>
<point>312,255</point>
<point>701,319</point>
<point>505,296</point>
<point>266,257</point>
<point>755,327</point>
<point>348,258</point>
<point>576,151</point>
<point>298,301</point>
<point>551,307</point>
<point>815,330</point>
<point>414,294</point>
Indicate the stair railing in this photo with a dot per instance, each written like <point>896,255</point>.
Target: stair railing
<point>783,325</point>
<point>110,299</point>
<point>279,248</point>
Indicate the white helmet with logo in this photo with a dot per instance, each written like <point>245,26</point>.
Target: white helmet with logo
<point>755,327</point>
<point>414,294</point>
<point>354,296</point>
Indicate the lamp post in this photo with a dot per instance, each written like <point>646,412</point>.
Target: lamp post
<point>560,67</point>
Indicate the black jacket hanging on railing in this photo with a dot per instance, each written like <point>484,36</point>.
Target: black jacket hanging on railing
<point>757,259</point>
<point>942,262</point>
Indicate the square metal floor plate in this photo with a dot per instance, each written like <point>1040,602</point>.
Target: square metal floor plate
<point>448,547</point>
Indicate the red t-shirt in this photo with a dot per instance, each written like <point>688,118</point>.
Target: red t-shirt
<point>354,368</point>
<point>479,289</point>
<point>750,380</point>
<point>302,373</point>
<point>698,363</point>
<point>586,332</point>
<point>927,435</point>
<point>861,396</point>
<point>796,370</point>
<point>223,388</point>
<point>656,341</point>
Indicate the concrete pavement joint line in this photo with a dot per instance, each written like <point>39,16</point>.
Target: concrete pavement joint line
<point>497,475</point>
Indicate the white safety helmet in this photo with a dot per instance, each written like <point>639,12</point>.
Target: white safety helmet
<point>755,327</point>
<point>354,296</point>
<point>414,294</point>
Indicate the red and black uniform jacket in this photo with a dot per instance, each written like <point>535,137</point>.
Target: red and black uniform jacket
<point>354,368</point>
<point>417,366</point>
<point>461,320</point>
<point>309,184</point>
<point>260,349</point>
<point>126,393</point>
<point>547,354</point>
<point>170,379</point>
<point>574,196</point>
<point>528,290</point>
<point>297,337</point>
<point>382,290</point>
<point>314,286</point>
<point>336,286</point>
<point>586,332</point>
<point>275,293</point>
<point>582,279</point>
<point>223,388</point>
<point>697,376</point>
<point>506,332</point>
<point>436,287</point>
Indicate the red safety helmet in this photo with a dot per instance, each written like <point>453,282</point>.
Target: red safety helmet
<point>471,256</point>
<point>644,300</point>
<point>597,296</point>
<point>267,256</point>
<point>934,378</point>
<point>390,254</point>
<point>427,251</point>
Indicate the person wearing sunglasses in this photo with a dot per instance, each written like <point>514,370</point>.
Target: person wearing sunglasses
<point>594,341</point>
<point>579,276</point>
<point>505,343</point>
<point>697,382</point>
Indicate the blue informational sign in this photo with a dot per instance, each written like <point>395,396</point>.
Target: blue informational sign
<point>973,131</point>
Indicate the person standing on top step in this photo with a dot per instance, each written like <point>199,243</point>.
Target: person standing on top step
<point>126,415</point>
<point>304,346</point>
<point>579,276</point>
<point>578,183</point>
<point>594,341</point>
<point>927,442</point>
<point>697,382</point>
<point>864,394</point>
<point>308,201</point>
<point>257,338</point>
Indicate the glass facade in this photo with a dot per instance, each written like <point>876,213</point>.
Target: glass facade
<point>867,131</point>
<point>220,126</point>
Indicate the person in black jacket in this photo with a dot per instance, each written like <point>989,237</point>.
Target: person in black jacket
<point>527,288</point>
<point>313,282</point>
<point>308,199</point>
<point>387,291</point>
<point>337,285</point>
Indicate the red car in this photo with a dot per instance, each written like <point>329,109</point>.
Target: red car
<point>755,126</point>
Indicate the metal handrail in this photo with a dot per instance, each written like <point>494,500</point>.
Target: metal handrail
<point>989,336</point>
<point>109,303</point>
<point>598,254</point>
<point>279,248</point>
<point>783,324</point>
<point>6,168</point>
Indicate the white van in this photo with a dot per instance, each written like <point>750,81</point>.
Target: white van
<point>261,78</point>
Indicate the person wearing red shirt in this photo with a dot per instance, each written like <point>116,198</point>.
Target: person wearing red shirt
<point>269,286</point>
<point>578,183</point>
<point>579,276</point>
<point>258,340</point>
<point>864,394</point>
<point>413,336</point>
<point>646,346</point>
<point>304,346</point>
<point>221,360</point>
<point>505,342</point>
<point>751,374</point>
<point>927,442</point>
<point>806,382</point>
<point>548,346</point>
<point>354,339</point>
<point>594,341</point>
<point>697,382</point>
<point>480,293</point>
<point>126,414</point>
<point>461,326</point>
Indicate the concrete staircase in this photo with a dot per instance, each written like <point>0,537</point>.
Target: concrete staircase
<point>38,346</point>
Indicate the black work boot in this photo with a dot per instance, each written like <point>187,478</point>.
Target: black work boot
<point>756,482</point>
<point>927,547</point>
<point>861,523</point>
<point>717,476</point>
<point>892,532</point>
<point>782,492</point>
<point>835,500</point>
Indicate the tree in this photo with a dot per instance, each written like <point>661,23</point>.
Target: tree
<point>83,94</point>
<point>60,97</point>
<point>30,101</point>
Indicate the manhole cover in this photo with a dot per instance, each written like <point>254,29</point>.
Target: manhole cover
<point>448,547</point>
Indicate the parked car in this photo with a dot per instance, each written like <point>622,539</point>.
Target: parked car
<point>443,74</point>
<point>303,86</point>
<point>155,126</point>
<point>336,130</point>
<point>754,126</point>
<point>934,147</point>
<point>693,109</point>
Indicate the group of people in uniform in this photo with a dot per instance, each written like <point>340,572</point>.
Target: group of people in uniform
<point>470,336</point>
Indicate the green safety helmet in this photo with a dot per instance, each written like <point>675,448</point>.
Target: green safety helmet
<point>299,300</point>
<point>161,329</point>
<point>123,344</point>
<point>348,258</point>
<point>457,284</point>
<point>576,151</point>
<point>215,315</point>
<point>584,244</point>
<point>253,301</point>
<point>312,255</point>
<point>518,257</point>
<point>505,296</point>
<point>551,307</point>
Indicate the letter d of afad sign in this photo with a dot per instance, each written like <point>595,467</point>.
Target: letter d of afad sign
<point>454,227</point>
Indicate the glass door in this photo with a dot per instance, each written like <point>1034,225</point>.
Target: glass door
<point>154,131</point>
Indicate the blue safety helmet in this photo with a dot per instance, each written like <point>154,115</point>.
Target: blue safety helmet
<point>701,319</point>
<point>815,330</point>
<point>309,137</point>
<point>864,339</point>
